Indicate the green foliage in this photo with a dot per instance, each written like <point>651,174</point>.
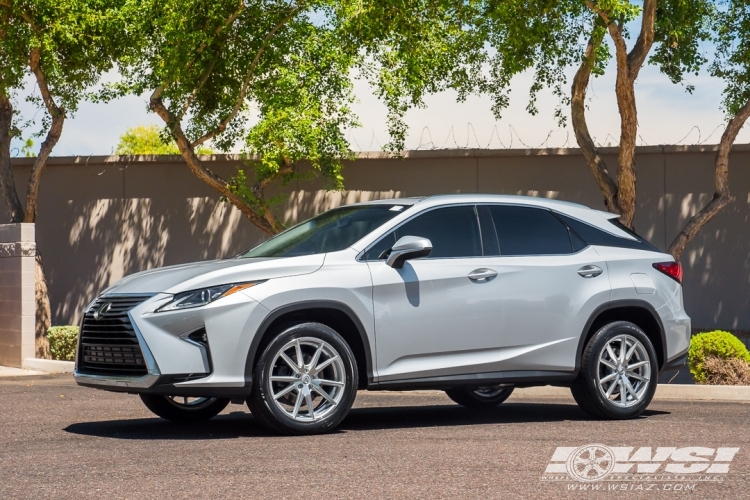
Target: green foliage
<point>718,344</point>
<point>62,342</point>
<point>732,62</point>
<point>27,149</point>
<point>77,39</point>
<point>146,140</point>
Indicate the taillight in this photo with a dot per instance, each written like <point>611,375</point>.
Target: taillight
<point>671,269</point>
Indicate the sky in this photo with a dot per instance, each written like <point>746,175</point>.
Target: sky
<point>666,115</point>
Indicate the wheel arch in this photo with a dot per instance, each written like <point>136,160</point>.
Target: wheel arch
<point>336,315</point>
<point>638,312</point>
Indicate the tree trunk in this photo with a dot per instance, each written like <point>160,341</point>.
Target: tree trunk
<point>261,216</point>
<point>595,162</point>
<point>7,184</point>
<point>43,311</point>
<point>721,197</point>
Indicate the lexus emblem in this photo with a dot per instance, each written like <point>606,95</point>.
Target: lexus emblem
<point>102,310</point>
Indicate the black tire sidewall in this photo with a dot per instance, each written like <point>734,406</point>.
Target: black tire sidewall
<point>465,396</point>
<point>273,416</point>
<point>161,406</point>
<point>590,366</point>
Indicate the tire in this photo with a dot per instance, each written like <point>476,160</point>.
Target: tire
<point>479,397</point>
<point>179,409</point>
<point>293,401</point>
<point>601,374</point>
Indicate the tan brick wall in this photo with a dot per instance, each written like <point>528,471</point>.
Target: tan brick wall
<point>101,218</point>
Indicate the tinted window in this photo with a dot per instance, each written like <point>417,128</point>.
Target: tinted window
<point>595,236</point>
<point>453,231</point>
<point>328,232</point>
<point>529,231</point>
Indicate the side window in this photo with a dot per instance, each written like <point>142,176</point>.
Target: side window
<point>529,231</point>
<point>595,236</point>
<point>453,231</point>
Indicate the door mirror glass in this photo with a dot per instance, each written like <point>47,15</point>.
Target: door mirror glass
<point>408,247</point>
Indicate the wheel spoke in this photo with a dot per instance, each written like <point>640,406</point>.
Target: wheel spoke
<point>310,409</point>
<point>297,404</point>
<point>316,356</point>
<point>298,350</point>
<point>608,377</point>
<point>288,361</point>
<point>629,388</point>
<point>623,391</point>
<point>636,376</point>
<point>611,353</point>
<point>608,364</point>
<point>325,395</point>
<point>284,391</point>
<point>631,351</point>
<point>284,378</point>
<point>611,388</point>
<point>637,365</point>
<point>317,369</point>
<point>623,348</point>
<point>335,383</point>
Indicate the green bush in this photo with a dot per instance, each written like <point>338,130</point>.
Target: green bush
<point>62,342</point>
<point>717,344</point>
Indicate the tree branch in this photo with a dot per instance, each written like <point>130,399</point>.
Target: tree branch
<point>721,197</point>
<point>595,162</point>
<point>642,47</point>
<point>246,82</point>
<point>53,135</point>
<point>204,173</point>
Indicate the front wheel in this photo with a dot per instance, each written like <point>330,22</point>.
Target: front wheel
<point>619,371</point>
<point>305,381</point>
<point>184,408</point>
<point>480,397</point>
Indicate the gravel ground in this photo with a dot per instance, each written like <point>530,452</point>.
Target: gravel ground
<point>61,441</point>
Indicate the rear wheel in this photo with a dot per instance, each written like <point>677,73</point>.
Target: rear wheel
<point>305,381</point>
<point>480,397</point>
<point>184,408</point>
<point>619,372</point>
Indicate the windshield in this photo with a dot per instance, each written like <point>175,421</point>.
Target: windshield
<point>331,231</point>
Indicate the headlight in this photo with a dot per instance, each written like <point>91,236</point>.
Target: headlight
<point>197,298</point>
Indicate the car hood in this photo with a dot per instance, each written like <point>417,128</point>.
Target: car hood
<point>175,279</point>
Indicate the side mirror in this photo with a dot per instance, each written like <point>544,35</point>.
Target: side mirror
<point>408,247</point>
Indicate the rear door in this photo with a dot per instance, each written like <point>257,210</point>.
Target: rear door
<point>549,284</point>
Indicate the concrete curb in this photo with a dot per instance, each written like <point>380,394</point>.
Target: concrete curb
<point>48,365</point>
<point>6,371</point>
<point>664,392</point>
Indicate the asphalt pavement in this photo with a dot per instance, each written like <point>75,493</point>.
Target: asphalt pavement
<point>61,441</point>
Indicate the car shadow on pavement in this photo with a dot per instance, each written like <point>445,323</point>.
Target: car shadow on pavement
<point>239,424</point>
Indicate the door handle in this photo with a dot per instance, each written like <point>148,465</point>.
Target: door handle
<point>590,271</point>
<point>482,275</point>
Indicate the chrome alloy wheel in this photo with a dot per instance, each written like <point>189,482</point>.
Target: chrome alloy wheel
<point>190,403</point>
<point>624,371</point>
<point>307,379</point>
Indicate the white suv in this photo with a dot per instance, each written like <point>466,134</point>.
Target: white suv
<point>471,294</point>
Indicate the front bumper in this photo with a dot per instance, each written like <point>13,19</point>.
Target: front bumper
<point>177,364</point>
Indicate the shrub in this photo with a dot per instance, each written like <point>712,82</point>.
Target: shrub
<point>62,342</point>
<point>716,344</point>
<point>733,371</point>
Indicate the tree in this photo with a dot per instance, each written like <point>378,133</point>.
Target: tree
<point>146,140</point>
<point>732,64</point>
<point>64,45</point>
<point>276,76</point>
<point>546,41</point>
